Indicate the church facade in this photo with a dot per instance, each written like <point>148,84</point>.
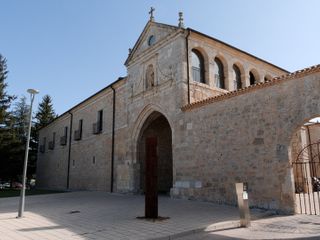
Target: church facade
<point>214,114</point>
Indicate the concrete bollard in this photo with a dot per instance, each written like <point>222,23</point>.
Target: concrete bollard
<point>243,203</point>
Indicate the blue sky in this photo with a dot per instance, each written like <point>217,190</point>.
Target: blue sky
<point>70,49</point>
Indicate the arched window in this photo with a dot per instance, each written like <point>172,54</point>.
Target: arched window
<point>151,40</point>
<point>252,78</point>
<point>197,66</point>
<point>149,77</point>
<point>219,73</point>
<point>267,78</point>
<point>237,77</point>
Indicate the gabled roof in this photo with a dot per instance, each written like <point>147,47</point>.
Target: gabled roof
<point>85,100</point>
<point>152,23</point>
<point>143,34</point>
<point>235,48</point>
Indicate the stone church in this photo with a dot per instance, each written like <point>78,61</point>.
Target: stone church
<point>208,113</point>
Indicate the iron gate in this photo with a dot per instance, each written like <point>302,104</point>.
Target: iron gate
<point>306,170</point>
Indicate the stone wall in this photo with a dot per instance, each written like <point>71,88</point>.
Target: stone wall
<point>52,165</point>
<point>314,132</point>
<point>244,138</point>
<point>90,156</point>
<point>229,56</point>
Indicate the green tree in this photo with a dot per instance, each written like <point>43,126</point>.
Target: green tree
<point>45,113</point>
<point>7,132</point>
<point>12,149</point>
<point>21,114</point>
<point>5,98</point>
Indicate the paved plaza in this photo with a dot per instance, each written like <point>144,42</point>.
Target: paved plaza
<point>100,215</point>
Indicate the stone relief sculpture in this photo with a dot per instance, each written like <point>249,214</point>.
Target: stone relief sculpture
<point>149,77</point>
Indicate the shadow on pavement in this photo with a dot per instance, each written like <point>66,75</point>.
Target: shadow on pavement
<point>223,235</point>
<point>41,228</point>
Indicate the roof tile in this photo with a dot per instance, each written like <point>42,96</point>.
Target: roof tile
<point>276,80</point>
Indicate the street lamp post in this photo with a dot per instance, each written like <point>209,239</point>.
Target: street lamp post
<point>32,92</point>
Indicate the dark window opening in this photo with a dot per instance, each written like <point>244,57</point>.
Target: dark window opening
<point>52,142</point>
<point>219,74</point>
<point>66,131</point>
<point>97,126</point>
<point>100,117</point>
<point>267,78</point>
<point>197,66</point>
<point>63,139</point>
<point>42,147</point>
<point>78,133</point>
<point>237,77</point>
<point>252,78</point>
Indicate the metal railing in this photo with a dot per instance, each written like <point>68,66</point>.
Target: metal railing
<point>97,128</point>
<point>77,135</point>
<point>306,169</point>
<point>63,140</point>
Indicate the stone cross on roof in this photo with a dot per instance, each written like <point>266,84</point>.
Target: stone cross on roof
<point>152,9</point>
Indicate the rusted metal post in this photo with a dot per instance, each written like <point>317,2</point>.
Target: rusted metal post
<point>151,179</point>
<point>242,194</point>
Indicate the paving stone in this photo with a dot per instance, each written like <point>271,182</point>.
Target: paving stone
<point>113,216</point>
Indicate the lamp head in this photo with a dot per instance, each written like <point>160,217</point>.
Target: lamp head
<point>32,91</point>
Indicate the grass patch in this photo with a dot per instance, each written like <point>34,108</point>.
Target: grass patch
<point>4,193</point>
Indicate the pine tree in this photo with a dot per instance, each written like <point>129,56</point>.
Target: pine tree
<point>12,149</point>
<point>5,99</point>
<point>20,125</point>
<point>21,115</point>
<point>45,113</point>
<point>8,139</point>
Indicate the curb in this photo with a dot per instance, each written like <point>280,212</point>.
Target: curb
<point>212,228</point>
<point>217,226</point>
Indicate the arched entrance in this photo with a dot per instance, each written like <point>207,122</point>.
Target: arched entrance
<point>157,126</point>
<point>305,155</point>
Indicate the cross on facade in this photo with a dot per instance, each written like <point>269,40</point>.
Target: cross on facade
<point>151,14</point>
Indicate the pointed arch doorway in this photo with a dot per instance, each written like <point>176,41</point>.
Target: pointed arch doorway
<point>154,149</point>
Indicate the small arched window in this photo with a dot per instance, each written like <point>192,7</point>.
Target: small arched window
<point>219,74</point>
<point>267,78</point>
<point>197,66</point>
<point>149,77</point>
<point>237,77</point>
<point>252,78</point>
<point>151,40</point>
